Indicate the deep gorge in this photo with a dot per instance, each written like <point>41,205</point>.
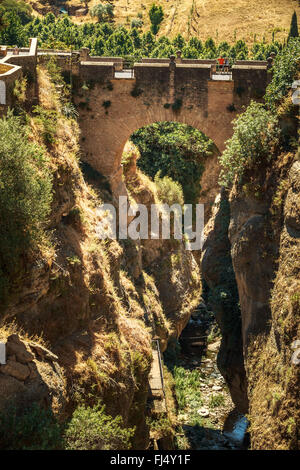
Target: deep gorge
<point>79,314</point>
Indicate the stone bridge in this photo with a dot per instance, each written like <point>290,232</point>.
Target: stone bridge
<point>113,103</point>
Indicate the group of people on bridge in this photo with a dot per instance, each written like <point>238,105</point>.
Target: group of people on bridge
<point>223,65</point>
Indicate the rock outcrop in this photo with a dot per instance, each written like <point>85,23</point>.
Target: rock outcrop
<point>31,375</point>
<point>217,271</point>
<point>255,230</point>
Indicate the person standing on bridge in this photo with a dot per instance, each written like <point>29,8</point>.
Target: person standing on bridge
<point>226,67</point>
<point>221,64</point>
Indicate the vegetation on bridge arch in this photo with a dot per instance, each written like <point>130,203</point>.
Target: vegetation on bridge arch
<point>175,150</point>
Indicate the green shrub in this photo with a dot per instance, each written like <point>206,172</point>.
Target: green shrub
<point>92,429</point>
<point>33,429</point>
<point>284,73</point>
<point>19,90</point>
<point>216,400</point>
<point>187,385</point>
<point>294,33</point>
<point>156,16</point>
<point>106,104</point>
<point>256,132</point>
<point>69,111</point>
<point>25,196</point>
<point>48,119</point>
<point>168,191</point>
<point>177,104</point>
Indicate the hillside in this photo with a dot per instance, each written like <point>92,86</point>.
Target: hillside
<point>202,18</point>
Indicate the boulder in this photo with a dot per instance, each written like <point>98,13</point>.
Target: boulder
<point>19,349</point>
<point>15,369</point>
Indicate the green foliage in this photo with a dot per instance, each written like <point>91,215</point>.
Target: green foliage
<point>136,23</point>
<point>69,110</point>
<point>284,72</point>
<point>216,400</point>
<point>187,385</point>
<point>33,429</point>
<point>177,104</point>
<point>103,11</point>
<point>20,8</point>
<point>168,191</point>
<point>256,132</point>
<point>19,90</point>
<point>106,104</point>
<point>179,42</point>
<point>177,150</point>
<point>48,119</point>
<point>294,33</point>
<point>107,38</point>
<point>120,43</point>
<point>25,195</point>
<point>160,425</point>
<point>156,16</point>
<point>92,429</point>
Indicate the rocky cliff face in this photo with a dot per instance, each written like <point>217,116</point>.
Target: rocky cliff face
<point>265,251</point>
<point>97,303</point>
<point>223,299</point>
<point>258,233</point>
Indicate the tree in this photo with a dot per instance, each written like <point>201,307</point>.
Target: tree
<point>196,43</point>
<point>136,38</point>
<point>156,16</point>
<point>148,43</point>
<point>25,196</point>
<point>14,32</point>
<point>179,42</point>
<point>294,33</point>
<point>103,12</point>
<point>190,52</point>
<point>210,50</point>
<point>22,9</point>
<point>119,43</point>
<point>136,23</point>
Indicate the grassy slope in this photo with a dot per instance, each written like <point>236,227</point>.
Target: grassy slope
<point>203,18</point>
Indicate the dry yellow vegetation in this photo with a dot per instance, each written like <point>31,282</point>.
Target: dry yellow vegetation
<point>222,20</point>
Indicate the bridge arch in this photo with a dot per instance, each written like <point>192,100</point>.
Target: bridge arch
<point>112,109</point>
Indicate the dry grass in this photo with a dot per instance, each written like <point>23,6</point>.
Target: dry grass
<point>223,20</point>
<point>12,328</point>
<point>4,68</point>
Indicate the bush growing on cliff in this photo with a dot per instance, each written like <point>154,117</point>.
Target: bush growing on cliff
<point>255,134</point>
<point>93,429</point>
<point>284,73</point>
<point>168,191</point>
<point>25,195</point>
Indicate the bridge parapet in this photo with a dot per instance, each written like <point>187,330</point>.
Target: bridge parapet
<point>96,71</point>
<point>12,66</point>
<point>250,81</point>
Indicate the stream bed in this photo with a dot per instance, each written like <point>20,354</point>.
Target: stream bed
<point>207,418</point>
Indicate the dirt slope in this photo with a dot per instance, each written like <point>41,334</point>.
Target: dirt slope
<point>222,20</point>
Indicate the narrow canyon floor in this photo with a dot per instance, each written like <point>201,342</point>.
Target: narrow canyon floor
<point>206,416</point>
